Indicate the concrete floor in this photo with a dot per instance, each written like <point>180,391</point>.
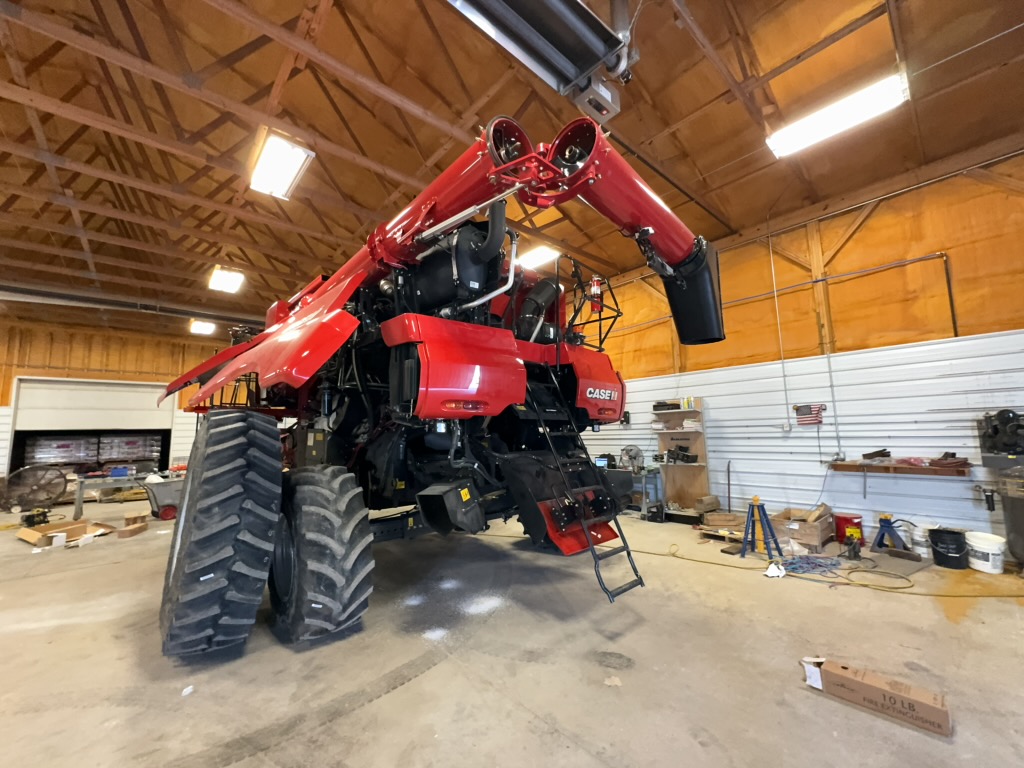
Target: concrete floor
<point>479,651</point>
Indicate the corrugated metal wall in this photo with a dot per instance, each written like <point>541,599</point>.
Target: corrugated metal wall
<point>6,433</point>
<point>916,400</point>
<point>183,432</point>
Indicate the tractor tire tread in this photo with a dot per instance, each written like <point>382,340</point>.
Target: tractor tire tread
<point>220,558</point>
<point>333,571</point>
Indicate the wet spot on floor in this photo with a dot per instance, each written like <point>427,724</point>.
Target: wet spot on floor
<point>956,608</point>
<point>613,660</point>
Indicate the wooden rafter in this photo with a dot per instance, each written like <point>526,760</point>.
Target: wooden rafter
<point>256,118</point>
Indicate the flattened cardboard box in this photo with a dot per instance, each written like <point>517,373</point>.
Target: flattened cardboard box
<point>893,698</point>
<point>47,535</point>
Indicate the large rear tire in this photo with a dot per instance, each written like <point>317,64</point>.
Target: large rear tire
<point>322,572</point>
<point>224,536</point>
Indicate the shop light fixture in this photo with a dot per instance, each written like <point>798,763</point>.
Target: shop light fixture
<point>538,257</point>
<point>226,280</point>
<point>840,116</point>
<point>202,327</point>
<point>279,166</point>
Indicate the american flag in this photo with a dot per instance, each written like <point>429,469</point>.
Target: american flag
<point>808,415</point>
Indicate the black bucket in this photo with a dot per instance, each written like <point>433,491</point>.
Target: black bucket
<point>949,547</point>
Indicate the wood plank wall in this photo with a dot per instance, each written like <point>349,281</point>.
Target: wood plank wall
<point>977,219</point>
<point>80,353</point>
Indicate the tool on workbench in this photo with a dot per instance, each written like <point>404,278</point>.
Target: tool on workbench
<point>756,515</point>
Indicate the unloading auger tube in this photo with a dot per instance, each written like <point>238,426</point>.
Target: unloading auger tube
<point>430,373</point>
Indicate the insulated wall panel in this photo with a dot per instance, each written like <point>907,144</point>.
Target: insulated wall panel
<point>915,399</point>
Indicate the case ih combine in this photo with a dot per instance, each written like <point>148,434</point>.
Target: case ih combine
<point>431,373</point>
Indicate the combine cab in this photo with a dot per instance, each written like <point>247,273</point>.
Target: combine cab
<point>431,375</point>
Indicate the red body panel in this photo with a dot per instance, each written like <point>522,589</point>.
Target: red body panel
<point>296,348</point>
<point>465,370</point>
<point>600,390</point>
<point>573,540</point>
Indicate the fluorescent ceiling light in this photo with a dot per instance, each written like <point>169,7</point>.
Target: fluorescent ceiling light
<point>202,327</point>
<point>279,166</point>
<point>538,257</point>
<point>855,109</point>
<point>227,280</point>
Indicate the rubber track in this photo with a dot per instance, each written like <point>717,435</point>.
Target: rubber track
<point>333,575</point>
<point>215,585</point>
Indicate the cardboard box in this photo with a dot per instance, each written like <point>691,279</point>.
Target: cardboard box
<point>907,703</point>
<point>54,534</point>
<point>812,534</point>
<point>132,530</point>
<point>100,529</point>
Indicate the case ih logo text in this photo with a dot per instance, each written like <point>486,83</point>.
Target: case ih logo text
<point>603,394</point>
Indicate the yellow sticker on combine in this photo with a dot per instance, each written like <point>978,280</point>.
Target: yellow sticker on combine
<point>465,494</point>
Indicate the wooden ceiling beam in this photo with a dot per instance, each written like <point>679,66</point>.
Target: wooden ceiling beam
<point>235,57</point>
<point>443,45</point>
<point>94,120</point>
<point>826,42</point>
<point>892,9</point>
<point>172,227</point>
<point>848,233</point>
<point>410,134</point>
<point>938,170</point>
<point>240,12</point>
<point>796,258</point>
<point>314,9</point>
<point>998,180</point>
<point>170,192</point>
<point>717,62</point>
<point>202,262</point>
<point>17,68</point>
<point>87,44</point>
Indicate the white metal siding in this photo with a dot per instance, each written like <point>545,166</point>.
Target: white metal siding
<point>916,400</point>
<point>183,432</point>
<point>57,404</point>
<point>6,423</point>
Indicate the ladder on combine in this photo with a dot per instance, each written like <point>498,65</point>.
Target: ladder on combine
<point>577,495</point>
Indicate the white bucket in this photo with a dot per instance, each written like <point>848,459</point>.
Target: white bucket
<point>985,552</point>
<point>919,541</point>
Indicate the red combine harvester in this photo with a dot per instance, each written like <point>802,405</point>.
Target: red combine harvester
<point>431,373</point>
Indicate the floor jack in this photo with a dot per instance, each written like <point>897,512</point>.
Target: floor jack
<point>897,546</point>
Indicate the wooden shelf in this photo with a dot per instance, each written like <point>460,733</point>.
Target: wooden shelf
<point>679,410</point>
<point>678,431</point>
<point>899,469</point>
<point>677,464</point>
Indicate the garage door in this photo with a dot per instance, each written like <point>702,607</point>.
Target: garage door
<point>62,404</point>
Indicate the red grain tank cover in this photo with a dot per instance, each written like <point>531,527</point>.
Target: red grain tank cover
<point>465,370</point>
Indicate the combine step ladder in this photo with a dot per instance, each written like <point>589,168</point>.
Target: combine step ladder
<point>756,515</point>
<point>572,492</point>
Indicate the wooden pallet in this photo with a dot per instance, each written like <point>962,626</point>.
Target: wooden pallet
<point>719,534</point>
